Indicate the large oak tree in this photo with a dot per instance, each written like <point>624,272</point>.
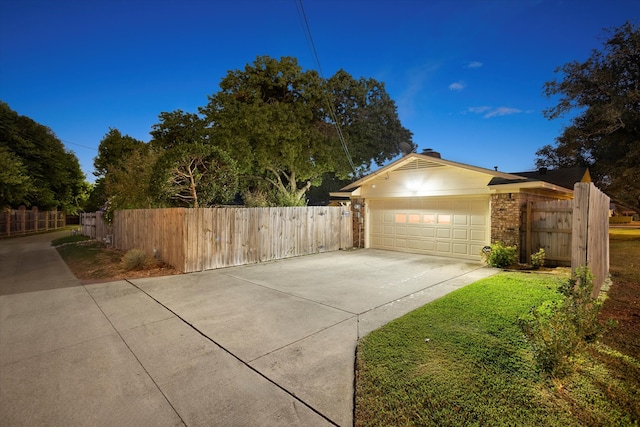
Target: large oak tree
<point>282,125</point>
<point>605,133</point>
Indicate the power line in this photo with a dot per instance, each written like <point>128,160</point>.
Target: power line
<point>79,145</point>
<point>314,53</point>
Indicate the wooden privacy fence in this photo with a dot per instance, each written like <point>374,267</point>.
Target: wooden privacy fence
<point>209,238</point>
<point>92,225</point>
<point>22,221</point>
<point>572,232</point>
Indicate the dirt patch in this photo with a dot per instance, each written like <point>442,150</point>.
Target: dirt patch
<point>623,306</point>
<point>92,262</point>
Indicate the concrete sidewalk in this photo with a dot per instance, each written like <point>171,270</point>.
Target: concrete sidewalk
<point>266,344</point>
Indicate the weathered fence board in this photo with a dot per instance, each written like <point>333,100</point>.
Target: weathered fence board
<point>591,233</point>
<point>21,221</point>
<point>209,238</point>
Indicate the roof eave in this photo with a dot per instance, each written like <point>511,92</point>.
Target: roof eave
<point>413,156</point>
<point>530,185</point>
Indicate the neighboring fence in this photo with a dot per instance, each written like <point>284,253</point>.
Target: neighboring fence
<point>92,225</point>
<point>572,232</point>
<point>22,221</point>
<point>209,238</point>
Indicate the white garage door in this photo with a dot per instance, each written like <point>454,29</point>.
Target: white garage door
<point>453,227</point>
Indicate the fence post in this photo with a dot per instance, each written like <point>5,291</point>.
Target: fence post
<point>7,212</point>
<point>579,237</point>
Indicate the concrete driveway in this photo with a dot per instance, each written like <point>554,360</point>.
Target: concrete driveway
<point>268,344</point>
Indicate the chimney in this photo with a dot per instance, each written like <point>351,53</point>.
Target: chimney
<point>542,170</point>
<point>430,152</point>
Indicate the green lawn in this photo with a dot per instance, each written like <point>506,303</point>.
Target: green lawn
<point>462,360</point>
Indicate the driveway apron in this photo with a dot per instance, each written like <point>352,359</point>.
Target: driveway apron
<point>269,344</point>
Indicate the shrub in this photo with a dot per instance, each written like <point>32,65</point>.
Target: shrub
<point>552,336</point>
<point>556,329</point>
<point>537,259</point>
<point>583,309</point>
<point>500,256</point>
<point>136,259</point>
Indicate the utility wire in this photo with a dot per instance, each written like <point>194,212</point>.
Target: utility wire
<point>314,53</point>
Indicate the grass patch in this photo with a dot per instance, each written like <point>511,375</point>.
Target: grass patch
<point>478,369</point>
<point>73,238</point>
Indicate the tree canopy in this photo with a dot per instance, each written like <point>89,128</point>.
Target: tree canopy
<point>270,133</point>
<point>282,124</point>
<point>37,170</point>
<point>605,133</point>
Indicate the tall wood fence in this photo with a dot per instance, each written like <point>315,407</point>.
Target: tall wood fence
<point>209,238</point>
<point>572,232</point>
<point>22,221</point>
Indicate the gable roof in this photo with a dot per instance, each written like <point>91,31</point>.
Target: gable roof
<point>414,161</point>
<point>565,177</point>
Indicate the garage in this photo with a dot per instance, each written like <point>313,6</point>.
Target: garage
<point>424,204</point>
<point>456,227</point>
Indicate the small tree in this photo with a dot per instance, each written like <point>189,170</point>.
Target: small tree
<point>194,176</point>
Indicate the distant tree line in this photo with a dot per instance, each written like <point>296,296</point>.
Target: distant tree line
<point>35,168</point>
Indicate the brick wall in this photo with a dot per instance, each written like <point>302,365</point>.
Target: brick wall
<point>506,217</point>
<point>358,222</point>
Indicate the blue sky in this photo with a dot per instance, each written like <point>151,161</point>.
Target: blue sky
<point>466,75</point>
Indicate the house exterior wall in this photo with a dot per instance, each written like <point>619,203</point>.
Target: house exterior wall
<point>438,181</point>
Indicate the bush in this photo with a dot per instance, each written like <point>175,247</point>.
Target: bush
<point>500,256</point>
<point>137,259</point>
<point>552,336</point>
<point>537,259</point>
<point>556,329</point>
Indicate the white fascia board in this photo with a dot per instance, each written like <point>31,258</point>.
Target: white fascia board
<point>414,156</point>
<point>531,185</point>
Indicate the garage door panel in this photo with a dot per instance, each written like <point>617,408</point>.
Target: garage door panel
<point>443,247</point>
<point>443,233</point>
<point>414,244</point>
<point>400,243</point>
<point>478,235</point>
<point>457,227</point>
<point>475,249</point>
<point>414,231</point>
<point>429,232</point>
<point>478,220</point>
<point>460,234</point>
<point>460,219</point>
<point>460,249</point>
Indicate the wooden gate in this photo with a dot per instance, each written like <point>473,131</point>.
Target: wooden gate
<point>572,232</point>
